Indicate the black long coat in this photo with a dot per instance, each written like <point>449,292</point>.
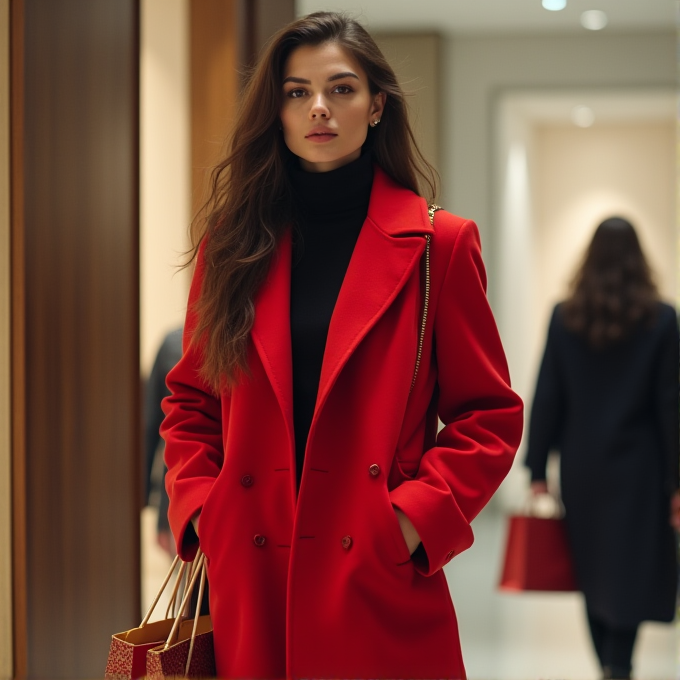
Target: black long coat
<point>613,416</point>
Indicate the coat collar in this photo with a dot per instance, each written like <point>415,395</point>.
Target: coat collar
<point>389,246</point>
<point>395,210</point>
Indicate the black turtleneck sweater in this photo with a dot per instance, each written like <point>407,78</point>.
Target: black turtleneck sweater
<point>331,209</point>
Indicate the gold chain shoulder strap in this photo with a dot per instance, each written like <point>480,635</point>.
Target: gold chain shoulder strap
<point>431,210</point>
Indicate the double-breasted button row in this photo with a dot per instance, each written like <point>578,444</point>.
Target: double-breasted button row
<point>259,540</point>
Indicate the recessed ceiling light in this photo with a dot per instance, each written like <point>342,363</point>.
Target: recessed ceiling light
<point>554,5</point>
<point>583,116</point>
<point>594,20</point>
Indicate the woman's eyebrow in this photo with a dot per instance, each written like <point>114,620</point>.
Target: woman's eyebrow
<point>336,76</point>
<point>344,74</point>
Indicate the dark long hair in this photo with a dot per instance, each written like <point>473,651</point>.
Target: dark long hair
<point>250,204</point>
<point>613,292</point>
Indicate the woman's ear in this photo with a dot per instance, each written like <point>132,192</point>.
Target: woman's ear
<point>378,104</point>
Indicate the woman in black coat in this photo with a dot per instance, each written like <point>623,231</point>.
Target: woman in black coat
<point>607,400</point>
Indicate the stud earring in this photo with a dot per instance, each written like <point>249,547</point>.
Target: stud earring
<point>375,122</point>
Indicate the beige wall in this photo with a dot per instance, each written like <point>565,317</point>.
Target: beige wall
<point>478,70</point>
<point>165,170</point>
<point>6,637</point>
<point>416,61</point>
<point>584,176</point>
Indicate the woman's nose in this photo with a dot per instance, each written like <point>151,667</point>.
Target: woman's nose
<point>319,108</point>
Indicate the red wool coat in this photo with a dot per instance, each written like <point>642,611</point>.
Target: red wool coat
<point>322,585</point>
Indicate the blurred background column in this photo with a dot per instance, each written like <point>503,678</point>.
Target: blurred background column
<point>75,331</point>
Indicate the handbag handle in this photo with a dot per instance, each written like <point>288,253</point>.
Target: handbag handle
<point>431,210</point>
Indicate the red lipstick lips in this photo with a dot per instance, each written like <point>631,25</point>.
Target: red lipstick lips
<point>320,134</point>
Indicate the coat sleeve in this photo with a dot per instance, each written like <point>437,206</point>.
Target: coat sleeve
<point>666,397</point>
<point>482,416</point>
<point>192,430</point>
<point>548,408</point>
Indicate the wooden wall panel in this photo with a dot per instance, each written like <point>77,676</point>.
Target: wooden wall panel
<point>214,77</point>
<point>226,37</point>
<point>262,19</point>
<point>18,337</point>
<point>6,635</point>
<point>78,191</point>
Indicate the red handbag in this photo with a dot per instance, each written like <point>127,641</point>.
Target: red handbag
<point>537,556</point>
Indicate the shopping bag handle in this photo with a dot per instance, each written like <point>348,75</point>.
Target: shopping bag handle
<point>175,589</point>
<point>201,588</point>
<point>162,588</point>
<point>199,570</point>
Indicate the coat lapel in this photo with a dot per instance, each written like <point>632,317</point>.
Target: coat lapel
<point>390,245</point>
<point>271,330</point>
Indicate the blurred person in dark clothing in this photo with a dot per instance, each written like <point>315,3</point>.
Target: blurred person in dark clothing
<point>168,355</point>
<point>607,400</point>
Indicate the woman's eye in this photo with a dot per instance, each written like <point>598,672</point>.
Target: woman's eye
<point>295,94</point>
<point>343,89</point>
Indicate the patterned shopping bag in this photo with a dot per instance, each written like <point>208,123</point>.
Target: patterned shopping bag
<point>128,650</point>
<point>188,651</point>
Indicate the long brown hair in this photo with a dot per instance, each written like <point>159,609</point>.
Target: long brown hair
<point>250,204</point>
<point>613,292</point>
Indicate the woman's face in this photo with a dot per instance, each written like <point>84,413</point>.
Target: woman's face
<point>327,106</point>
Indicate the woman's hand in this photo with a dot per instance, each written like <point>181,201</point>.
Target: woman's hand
<point>194,521</point>
<point>675,511</point>
<point>539,487</point>
<point>408,530</point>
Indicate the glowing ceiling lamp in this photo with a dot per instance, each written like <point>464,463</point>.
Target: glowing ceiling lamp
<point>583,116</point>
<point>554,5</point>
<point>594,20</point>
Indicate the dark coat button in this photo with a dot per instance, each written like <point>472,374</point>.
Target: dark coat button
<point>259,540</point>
<point>347,542</point>
<point>247,480</point>
<point>374,469</point>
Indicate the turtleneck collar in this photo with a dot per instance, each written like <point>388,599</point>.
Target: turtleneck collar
<point>332,195</point>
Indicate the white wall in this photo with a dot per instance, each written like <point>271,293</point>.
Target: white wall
<point>6,634</point>
<point>586,175</point>
<point>165,167</point>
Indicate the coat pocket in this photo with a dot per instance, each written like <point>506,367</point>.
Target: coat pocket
<point>205,522</point>
<point>408,469</point>
<point>397,550</point>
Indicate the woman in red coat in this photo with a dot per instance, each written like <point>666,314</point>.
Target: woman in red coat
<point>331,323</point>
